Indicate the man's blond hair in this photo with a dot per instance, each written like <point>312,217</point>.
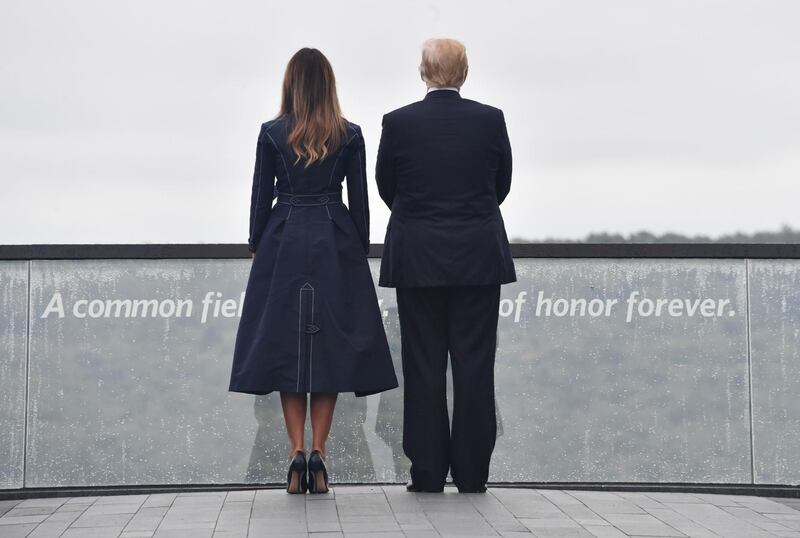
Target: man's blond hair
<point>444,62</point>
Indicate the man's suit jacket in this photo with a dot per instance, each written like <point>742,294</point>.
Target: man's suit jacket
<point>444,168</point>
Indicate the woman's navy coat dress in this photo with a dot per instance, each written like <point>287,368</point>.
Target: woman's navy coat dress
<point>310,319</point>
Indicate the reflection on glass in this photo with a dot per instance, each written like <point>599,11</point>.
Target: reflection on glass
<point>587,389</point>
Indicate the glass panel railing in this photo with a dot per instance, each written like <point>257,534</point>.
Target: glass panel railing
<point>607,370</point>
<point>775,350</point>
<point>13,342</point>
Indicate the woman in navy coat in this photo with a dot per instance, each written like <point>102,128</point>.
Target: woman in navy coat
<point>310,319</point>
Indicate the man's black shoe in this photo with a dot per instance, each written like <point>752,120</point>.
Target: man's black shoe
<point>411,486</point>
<point>479,489</point>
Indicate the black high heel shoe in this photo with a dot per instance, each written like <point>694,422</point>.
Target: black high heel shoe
<point>296,479</point>
<point>317,474</point>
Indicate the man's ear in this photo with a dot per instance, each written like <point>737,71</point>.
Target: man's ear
<point>466,70</point>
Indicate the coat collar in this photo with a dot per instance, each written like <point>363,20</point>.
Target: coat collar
<point>442,94</point>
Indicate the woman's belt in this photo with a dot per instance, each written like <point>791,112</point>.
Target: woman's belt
<point>309,199</point>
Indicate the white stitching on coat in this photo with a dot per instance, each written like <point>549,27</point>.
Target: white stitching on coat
<point>311,340</point>
<point>301,331</point>
<point>341,152</point>
<point>299,334</point>
<point>333,171</point>
<point>288,175</point>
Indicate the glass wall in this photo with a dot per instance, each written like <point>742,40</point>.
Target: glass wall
<point>13,348</point>
<point>608,370</point>
<point>775,345</point>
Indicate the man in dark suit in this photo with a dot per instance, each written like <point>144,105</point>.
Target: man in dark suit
<point>443,168</point>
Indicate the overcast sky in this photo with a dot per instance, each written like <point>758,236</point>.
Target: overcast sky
<point>129,122</point>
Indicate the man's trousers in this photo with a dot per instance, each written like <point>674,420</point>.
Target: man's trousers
<point>461,320</point>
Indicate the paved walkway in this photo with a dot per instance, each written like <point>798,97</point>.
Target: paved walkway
<point>390,511</point>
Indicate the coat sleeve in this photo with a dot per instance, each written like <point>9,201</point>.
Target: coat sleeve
<point>384,166</point>
<point>261,192</point>
<point>357,200</point>
<point>504,169</point>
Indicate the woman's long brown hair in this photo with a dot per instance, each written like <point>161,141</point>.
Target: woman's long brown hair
<point>309,100</point>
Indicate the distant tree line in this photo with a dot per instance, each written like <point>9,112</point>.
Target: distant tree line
<point>785,235</point>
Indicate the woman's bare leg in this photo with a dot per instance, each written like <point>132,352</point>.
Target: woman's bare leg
<point>322,406</point>
<point>294,414</point>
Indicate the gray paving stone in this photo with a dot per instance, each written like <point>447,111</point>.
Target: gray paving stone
<point>538,524</point>
<point>387,511</point>
<point>681,523</point>
<point>675,497</point>
<point>31,510</point>
<point>606,502</point>
<point>82,500</point>
<point>184,533</point>
<point>113,508</point>
<point>497,515</point>
<point>357,490</point>
<point>143,523</point>
<point>719,499</point>
<point>363,524</point>
<point>102,520</point>
<point>121,499</point>
<point>17,530</point>
<point>605,531</point>
<point>782,516</point>
<point>794,525</point>
<point>234,518</point>
<point>72,507</point>
<point>583,515</point>
<point>394,534</point>
<point>528,504</point>
<point>640,499</point>
<point>765,505</point>
<point>642,525</point>
<point>184,524</point>
<point>461,524</point>
<point>16,520</point>
<point>56,524</point>
<point>753,517</point>
<point>47,530</point>
<point>787,501</point>
<point>8,504</point>
<point>240,495</point>
<point>717,520</point>
<point>558,497</point>
<point>159,499</point>
<point>240,533</point>
<point>322,516</point>
<point>287,524</point>
<point>93,532</point>
<point>559,527</point>
<point>426,527</point>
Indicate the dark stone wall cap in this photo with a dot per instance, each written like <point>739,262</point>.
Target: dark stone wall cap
<point>518,250</point>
